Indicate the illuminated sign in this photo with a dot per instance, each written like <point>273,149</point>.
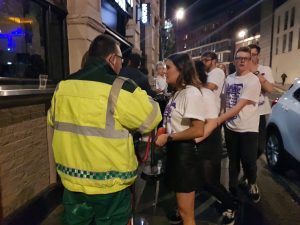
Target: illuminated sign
<point>145,18</point>
<point>19,32</point>
<point>122,4</point>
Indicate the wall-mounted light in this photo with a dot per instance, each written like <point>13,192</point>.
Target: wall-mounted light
<point>20,20</point>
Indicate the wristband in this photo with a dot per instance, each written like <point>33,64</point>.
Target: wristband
<point>170,138</point>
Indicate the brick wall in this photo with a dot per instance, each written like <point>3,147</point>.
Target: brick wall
<point>24,164</point>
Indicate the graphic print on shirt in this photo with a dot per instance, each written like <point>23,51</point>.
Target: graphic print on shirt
<point>233,93</point>
<point>167,113</point>
<point>261,99</point>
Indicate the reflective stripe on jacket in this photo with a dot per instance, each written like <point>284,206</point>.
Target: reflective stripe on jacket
<point>92,145</point>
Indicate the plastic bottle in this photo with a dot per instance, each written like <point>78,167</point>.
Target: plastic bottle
<point>159,166</point>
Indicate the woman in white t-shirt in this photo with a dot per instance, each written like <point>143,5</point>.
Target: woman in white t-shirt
<point>184,119</point>
<point>161,85</point>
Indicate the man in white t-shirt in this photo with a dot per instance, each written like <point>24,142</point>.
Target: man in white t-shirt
<point>215,75</point>
<point>241,119</point>
<point>266,80</point>
<point>215,82</point>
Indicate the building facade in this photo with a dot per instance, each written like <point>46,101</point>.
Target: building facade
<point>286,41</point>
<point>210,36</point>
<point>87,19</point>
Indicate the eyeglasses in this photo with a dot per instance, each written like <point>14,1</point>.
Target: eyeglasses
<point>242,59</point>
<point>254,54</point>
<point>206,59</point>
<point>121,57</point>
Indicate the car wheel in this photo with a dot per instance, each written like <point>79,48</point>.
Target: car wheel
<point>275,150</point>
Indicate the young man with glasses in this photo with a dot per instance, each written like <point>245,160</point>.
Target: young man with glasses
<point>215,82</point>
<point>215,75</point>
<point>264,74</point>
<point>241,119</point>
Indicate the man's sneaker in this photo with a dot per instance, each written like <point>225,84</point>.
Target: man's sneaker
<point>254,193</point>
<point>228,217</point>
<point>243,183</point>
<point>174,217</point>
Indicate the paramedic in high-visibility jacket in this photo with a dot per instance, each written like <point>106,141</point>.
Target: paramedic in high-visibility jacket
<point>93,113</point>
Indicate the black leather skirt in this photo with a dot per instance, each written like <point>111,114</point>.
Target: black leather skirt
<point>182,166</point>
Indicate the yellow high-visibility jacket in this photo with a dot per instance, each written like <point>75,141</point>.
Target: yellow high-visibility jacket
<point>92,114</point>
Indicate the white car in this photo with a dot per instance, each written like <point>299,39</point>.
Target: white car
<point>283,130</point>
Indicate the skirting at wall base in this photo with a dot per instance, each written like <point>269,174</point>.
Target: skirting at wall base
<point>38,208</point>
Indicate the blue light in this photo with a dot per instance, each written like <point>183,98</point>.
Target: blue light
<point>9,36</point>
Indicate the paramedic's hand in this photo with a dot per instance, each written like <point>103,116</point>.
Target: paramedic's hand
<point>161,140</point>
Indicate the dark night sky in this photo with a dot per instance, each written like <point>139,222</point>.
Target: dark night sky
<point>198,11</point>
<point>201,11</point>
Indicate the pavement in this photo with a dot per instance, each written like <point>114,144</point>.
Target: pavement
<point>207,208</point>
<point>281,88</point>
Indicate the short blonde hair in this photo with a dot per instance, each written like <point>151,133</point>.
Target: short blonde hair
<point>160,63</point>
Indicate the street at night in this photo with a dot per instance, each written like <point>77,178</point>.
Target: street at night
<point>127,112</point>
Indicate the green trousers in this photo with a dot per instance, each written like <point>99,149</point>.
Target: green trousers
<point>102,209</point>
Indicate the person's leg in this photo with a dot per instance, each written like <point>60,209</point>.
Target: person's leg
<point>261,135</point>
<point>232,144</point>
<point>216,154</point>
<point>112,209</point>
<point>249,142</point>
<point>186,204</point>
<point>214,187</point>
<point>76,209</point>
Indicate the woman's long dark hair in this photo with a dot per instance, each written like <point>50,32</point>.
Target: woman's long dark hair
<point>187,71</point>
<point>201,71</point>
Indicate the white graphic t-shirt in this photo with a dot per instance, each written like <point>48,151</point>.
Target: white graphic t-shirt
<point>184,105</point>
<point>243,87</point>
<point>211,107</point>
<point>217,77</point>
<point>264,106</point>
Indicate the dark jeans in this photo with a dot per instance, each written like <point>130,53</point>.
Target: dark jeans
<point>241,147</point>
<point>261,135</point>
<point>210,176</point>
<point>210,152</point>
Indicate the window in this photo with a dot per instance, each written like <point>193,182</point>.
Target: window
<point>277,44</point>
<point>278,24</point>
<point>22,39</point>
<point>292,17</point>
<point>297,94</point>
<point>31,41</point>
<point>290,41</point>
<point>284,43</point>
<point>286,19</point>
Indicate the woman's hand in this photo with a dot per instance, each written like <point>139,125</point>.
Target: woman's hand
<point>161,140</point>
